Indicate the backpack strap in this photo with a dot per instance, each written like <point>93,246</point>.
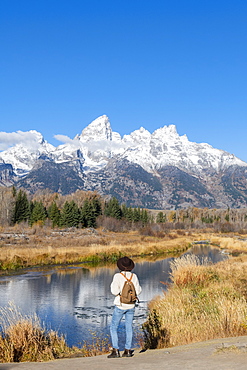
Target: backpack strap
<point>126,276</point>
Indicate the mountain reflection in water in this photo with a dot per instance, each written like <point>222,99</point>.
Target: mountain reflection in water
<point>76,301</point>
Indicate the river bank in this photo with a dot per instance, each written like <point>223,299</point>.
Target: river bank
<point>40,246</point>
<point>76,288</point>
<point>44,246</point>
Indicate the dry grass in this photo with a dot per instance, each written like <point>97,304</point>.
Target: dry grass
<point>204,302</point>
<point>46,246</point>
<point>23,338</point>
<point>24,246</point>
<point>97,346</point>
<point>232,243</point>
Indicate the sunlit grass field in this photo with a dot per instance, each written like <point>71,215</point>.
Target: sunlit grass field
<point>202,302</point>
<point>43,246</point>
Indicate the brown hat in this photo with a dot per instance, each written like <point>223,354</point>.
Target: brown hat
<point>125,264</point>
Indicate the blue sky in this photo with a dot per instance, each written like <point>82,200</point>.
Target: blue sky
<point>142,63</point>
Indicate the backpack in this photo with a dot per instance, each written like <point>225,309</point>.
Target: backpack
<point>128,294</point>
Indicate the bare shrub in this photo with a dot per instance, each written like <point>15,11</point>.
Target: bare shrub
<point>181,232</point>
<point>179,225</point>
<point>227,227</point>
<point>156,230</point>
<point>167,226</point>
<point>112,224</point>
<point>147,231</point>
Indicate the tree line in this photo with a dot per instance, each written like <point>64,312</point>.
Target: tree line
<point>89,209</point>
<point>223,220</point>
<point>71,213</point>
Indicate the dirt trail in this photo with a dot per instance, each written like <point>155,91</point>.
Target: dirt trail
<point>226,353</point>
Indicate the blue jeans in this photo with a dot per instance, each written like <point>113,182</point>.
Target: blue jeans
<point>116,318</point>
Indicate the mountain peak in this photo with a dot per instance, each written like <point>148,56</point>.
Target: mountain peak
<point>97,144</point>
<point>156,170</point>
<point>167,131</point>
<point>99,129</point>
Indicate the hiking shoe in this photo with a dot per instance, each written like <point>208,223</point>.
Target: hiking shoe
<point>127,353</point>
<point>114,353</point>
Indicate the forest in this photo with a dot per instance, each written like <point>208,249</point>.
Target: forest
<point>90,210</point>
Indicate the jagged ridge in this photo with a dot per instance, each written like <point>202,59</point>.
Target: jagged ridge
<point>154,170</point>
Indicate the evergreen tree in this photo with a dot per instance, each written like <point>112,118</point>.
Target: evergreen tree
<point>66,214</point>
<point>70,214</point>
<point>76,213</point>
<point>136,214</point>
<point>124,210</point>
<point>54,214</point>
<point>113,209</point>
<point>129,214</point>
<point>31,205</point>
<point>96,205</point>
<point>38,213</point>
<point>84,210</point>
<point>160,217</point>
<point>144,216</point>
<point>21,211</point>
<point>90,211</point>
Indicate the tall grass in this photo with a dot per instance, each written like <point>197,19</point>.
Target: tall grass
<point>23,338</point>
<point>203,302</point>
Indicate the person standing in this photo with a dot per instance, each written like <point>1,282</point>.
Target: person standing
<point>125,265</point>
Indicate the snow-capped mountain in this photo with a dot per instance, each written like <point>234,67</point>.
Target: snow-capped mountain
<point>23,156</point>
<point>158,170</point>
<point>98,143</point>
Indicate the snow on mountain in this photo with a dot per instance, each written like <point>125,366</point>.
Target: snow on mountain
<point>23,155</point>
<point>97,144</point>
<point>165,147</point>
<point>171,149</point>
<point>99,129</point>
<point>67,152</point>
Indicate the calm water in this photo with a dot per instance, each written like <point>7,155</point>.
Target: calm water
<point>77,301</point>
